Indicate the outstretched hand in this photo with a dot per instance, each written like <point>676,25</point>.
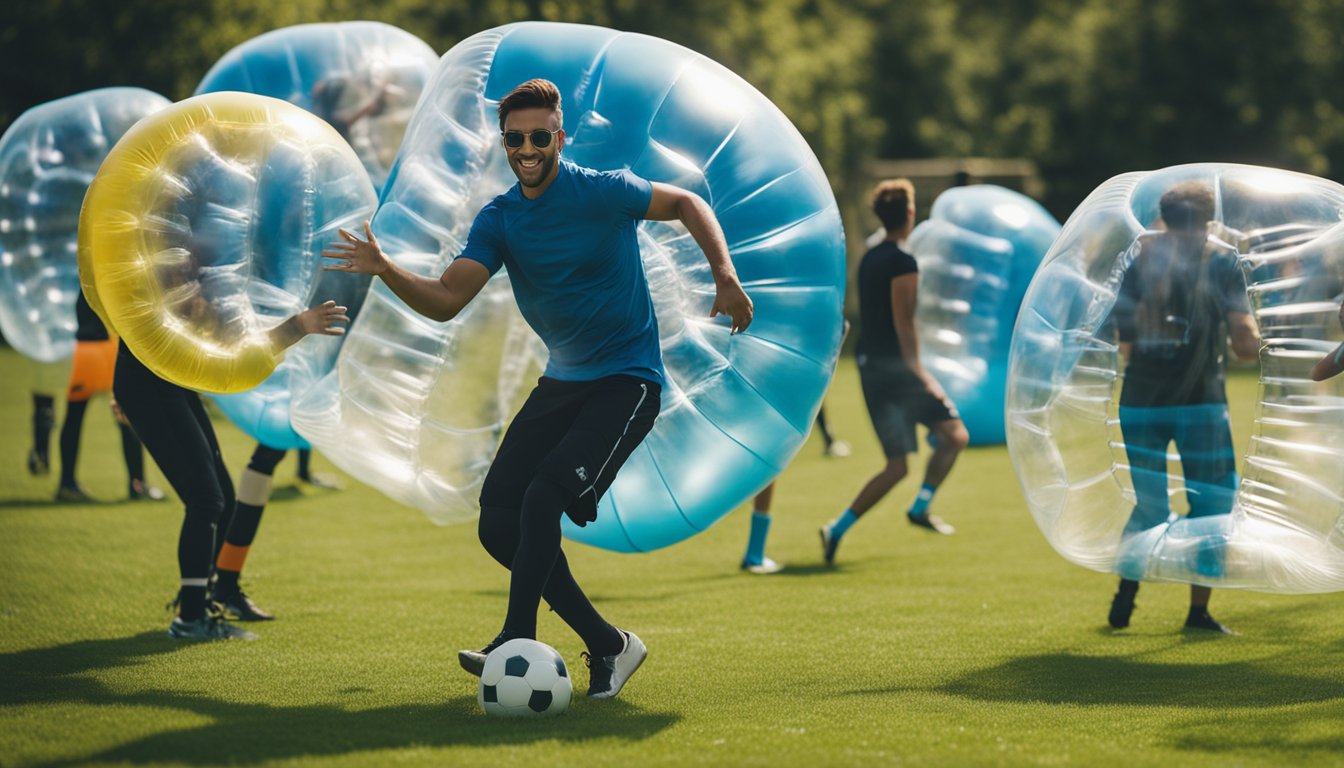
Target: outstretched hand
<point>364,257</point>
<point>323,319</point>
<point>730,299</point>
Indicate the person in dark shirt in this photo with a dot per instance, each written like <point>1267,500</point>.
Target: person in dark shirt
<point>91,374</point>
<point>1181,301</point>
<point>898,390</point>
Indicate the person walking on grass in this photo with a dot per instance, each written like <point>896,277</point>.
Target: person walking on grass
<point>567,236</point>
<point>899,392</point>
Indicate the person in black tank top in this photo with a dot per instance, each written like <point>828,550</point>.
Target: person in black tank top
<point>898,391</point>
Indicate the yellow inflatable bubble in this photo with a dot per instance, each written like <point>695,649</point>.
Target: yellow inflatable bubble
<point>203,229</point>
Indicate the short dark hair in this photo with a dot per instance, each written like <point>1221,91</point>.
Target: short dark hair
<point>891,202</point>
<point>1188,205</point>
<point>532,94</point>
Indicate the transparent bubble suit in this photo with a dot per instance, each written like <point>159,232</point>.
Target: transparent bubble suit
<point>977,252</point>
<point>363,77</point>
<point>202,232</point>
<point>48,157</point>
<point>1285,529</point>
<point>417,408</point>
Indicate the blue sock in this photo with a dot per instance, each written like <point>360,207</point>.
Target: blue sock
<point>921,506</point>
<point>760,528</point>
<point>842,524</point>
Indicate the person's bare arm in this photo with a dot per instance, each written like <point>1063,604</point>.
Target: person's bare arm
<point>321,319</point>
<point>669,202</point>
<point>904,299</point>
<point>440,299</point>
<point>1330,365</point>
<point>1243,335</point>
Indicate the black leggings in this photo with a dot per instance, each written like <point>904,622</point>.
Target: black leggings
<point>172,423</point>
<point>71,431</point>
<point>560,455</point>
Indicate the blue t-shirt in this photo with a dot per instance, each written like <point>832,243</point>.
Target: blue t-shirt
<point>573,259</point>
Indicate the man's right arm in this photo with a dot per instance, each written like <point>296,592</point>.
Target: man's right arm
<point>438,299</point>
<point>904,293</point>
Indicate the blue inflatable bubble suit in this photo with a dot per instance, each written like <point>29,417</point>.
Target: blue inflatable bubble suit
<point>977,253</point>
<point>47,159</point>
<point>1116,426</point>
<point>417,408</point>
<point>362,77</point>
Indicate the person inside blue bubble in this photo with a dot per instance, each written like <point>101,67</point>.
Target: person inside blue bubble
<point>1182,302</point>
<point>899,392</point>
<point>568,237</point>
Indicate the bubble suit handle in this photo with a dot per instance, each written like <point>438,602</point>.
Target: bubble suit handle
<point>1093,479</point>
<point>417,408</point>
<point>48,157</point>
<point>977,252</point>
<point>362,77</point>
<point>203,228</point>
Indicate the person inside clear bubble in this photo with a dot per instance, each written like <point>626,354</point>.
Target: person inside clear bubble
<point>1333,363</point>
<point>1181,304</point>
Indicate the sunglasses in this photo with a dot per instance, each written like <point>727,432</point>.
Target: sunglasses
<point>541,138</point>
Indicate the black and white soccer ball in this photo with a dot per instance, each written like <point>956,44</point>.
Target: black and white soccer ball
<point>524,678</point>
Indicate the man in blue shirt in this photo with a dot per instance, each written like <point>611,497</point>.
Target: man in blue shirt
<point>568,238</point>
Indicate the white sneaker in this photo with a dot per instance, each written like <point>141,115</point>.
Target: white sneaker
<point>838,449</point>
<point>607,674</point>
<point>763,568</point>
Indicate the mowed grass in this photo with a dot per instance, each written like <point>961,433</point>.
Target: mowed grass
<point>984,648</point>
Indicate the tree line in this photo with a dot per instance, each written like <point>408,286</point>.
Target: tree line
<point>1085,88</point>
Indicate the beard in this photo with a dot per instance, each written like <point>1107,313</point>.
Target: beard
<point>538,176</point>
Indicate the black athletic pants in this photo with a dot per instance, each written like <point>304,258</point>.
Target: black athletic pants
<point>172,423</point>
<point>561,453</point>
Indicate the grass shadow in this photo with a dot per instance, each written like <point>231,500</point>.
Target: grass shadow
<point>60,675</point>
<point>1061,678</point>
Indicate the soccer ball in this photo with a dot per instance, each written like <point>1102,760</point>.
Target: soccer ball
<point>524,678</point>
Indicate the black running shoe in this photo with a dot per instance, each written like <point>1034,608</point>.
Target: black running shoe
<point>73,494</point>
<point>235,605</point>
<point>207,628</point>
<point>1122,605</point>
<point>474,661</point>
<point>1199,618</point>
<point>828,545</point>
<point>931,522</point>
<point>139,491</point>
<point>38,464</point>
<point>607,675</point>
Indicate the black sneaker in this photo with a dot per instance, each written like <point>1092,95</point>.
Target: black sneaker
<point>607,675</point>
<point>1199,618</point>
<point>207,628</point>
<point>139,491</point>
<point>38,464</point>
<point>1122,605</point>
<point>474,661</point>
<point>235,605</point>
<point>73,493</point>
<point>931,522</point>
<point>828,544</point>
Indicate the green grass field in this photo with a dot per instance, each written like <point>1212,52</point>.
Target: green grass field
<point>984,648</point>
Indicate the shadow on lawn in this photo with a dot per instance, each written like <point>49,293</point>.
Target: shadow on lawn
<point>1061,678</point>
<point>247,732</point>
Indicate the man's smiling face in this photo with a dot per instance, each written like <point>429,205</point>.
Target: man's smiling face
<point>534,166</point>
